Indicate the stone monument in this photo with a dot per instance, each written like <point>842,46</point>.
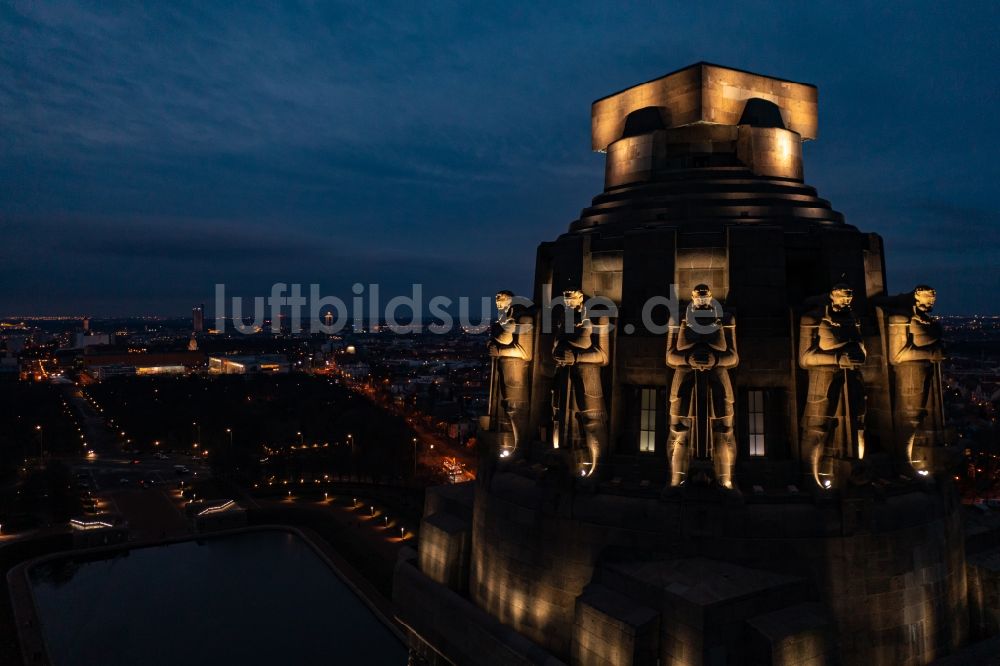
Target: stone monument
<point>703,506</point>
<point>578,408</point>
<point>916,350</point>
<point>832,350</point>
<point>701,348</point>
<point>510,347</point>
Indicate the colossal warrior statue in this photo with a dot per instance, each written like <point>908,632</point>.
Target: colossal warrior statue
<point>510,348</point>
<point>915,353</point>
<point>579,412</point>
<point>831,349</point>
<point>701,349</point>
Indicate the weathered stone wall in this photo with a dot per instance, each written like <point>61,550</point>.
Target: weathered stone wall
<point>898,592</point>
<point>446,536</point>
<point>445,550</point>
<point>984,594</point>
<point>800,635</point>
<point>611,628</point>
<point>889,569</point>
<point>445,628</point>
<point>528,566</point>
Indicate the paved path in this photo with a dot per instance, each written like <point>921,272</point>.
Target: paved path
<point>366,522</point>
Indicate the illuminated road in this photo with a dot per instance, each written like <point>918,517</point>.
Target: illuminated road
<point>139,487</point>
<point>98,436</point>
<point>433,449</point>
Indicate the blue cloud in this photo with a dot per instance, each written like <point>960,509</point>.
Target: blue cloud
<point>429,139</point>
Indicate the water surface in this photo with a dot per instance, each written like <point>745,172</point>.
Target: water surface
<point>255,598</point>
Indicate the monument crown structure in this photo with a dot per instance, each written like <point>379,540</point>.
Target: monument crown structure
<point>727,447</point>
<point>704,93</point>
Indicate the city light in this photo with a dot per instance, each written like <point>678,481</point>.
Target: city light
<point>88,525</point>
<point>217,509</point>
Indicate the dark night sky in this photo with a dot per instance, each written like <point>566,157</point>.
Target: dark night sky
<point>147,153</point>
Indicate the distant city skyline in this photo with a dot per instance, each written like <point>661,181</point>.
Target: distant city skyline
<point>152,152</point>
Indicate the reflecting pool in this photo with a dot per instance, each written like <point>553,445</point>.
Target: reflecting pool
<point>262,597</point>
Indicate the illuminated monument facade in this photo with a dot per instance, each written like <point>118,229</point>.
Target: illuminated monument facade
<point>728,447</point>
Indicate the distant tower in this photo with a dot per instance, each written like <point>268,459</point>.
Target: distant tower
<point>328,319</point>
<point>198,318</point>
<point>86,324</point>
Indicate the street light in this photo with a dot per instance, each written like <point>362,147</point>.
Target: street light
<point>197,426</point>
<point>414,457</point>
<point>301,441</point>
<point>41,448</point>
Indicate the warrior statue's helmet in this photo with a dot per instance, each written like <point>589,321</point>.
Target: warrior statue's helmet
<point>841,296</point>
<point>504,298</point>
<point>924,297</point>
<point>701,296</point>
